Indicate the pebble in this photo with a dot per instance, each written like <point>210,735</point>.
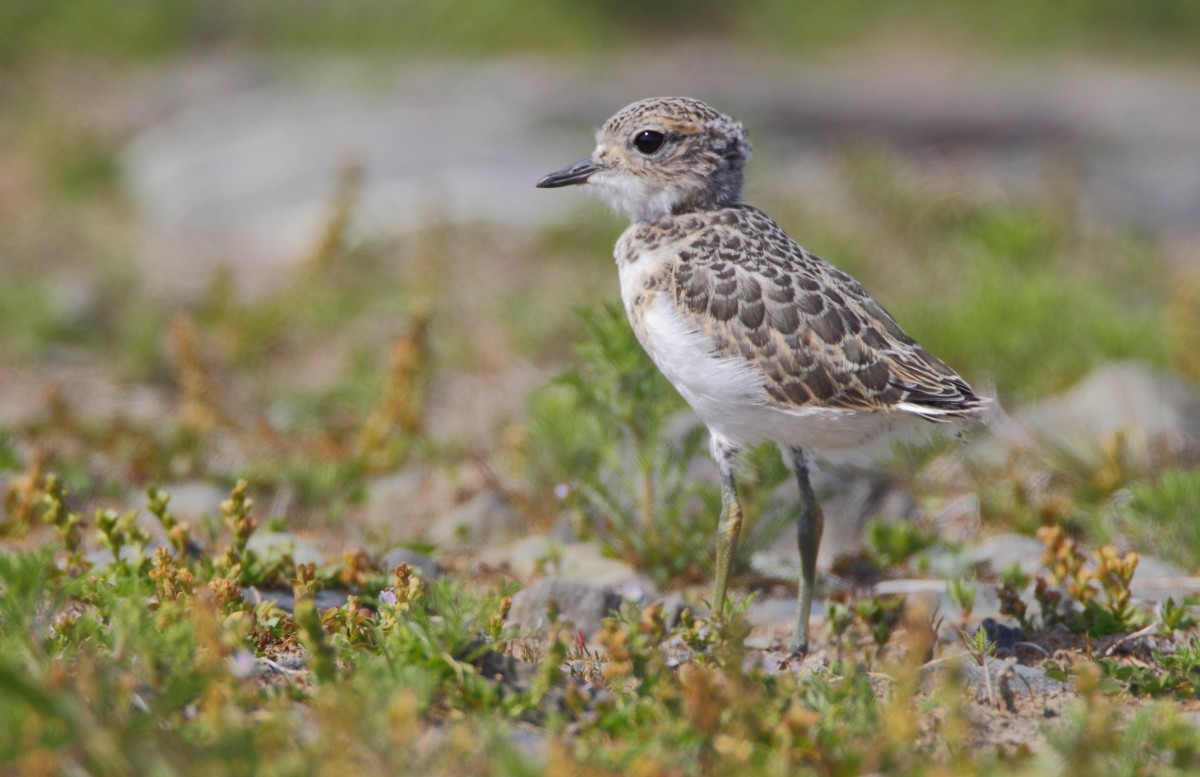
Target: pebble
<point>426,568</point>
<point>271,546</point>
<point>581,603</point>
<point>484,520</point>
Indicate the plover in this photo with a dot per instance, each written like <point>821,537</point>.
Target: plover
<point>766,341</point>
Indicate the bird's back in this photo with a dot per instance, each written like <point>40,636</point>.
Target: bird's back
<point>735,312</point>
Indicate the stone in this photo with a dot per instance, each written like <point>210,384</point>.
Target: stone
<point>195,499</point>
<point>850,497</point>
<point>426,568</point>
<point>286,600</point>
<point>781,611</point>
<point>402,505</point>
<point>580,603</point>
<point>996,554</point>
<point>540,555</point>
<point>485,519</point>
<point>242,157</point>
<point>1148,407</point>
<point>1005,638</point>
<point>274,545</point>
<point>1008,678</point>
<point>1156,580</point>
<point>1009,682</point>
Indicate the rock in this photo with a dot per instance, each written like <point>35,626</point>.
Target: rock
<point>244,158</point>
<point>1005,638</point>
<point>850,496</point>
<point>251,171</point>
<point>483,520</point>
<point>285,600</point>
<point>531,743</point>
<point>1151,569</point>
<point>1009,680</point>
<point>583,604</point>
<point>781,611</point>
<point>102,559</point>
<point>996,554</point>
<point>425,567</point>
<point>402,505</point>
<point>244,664</point>
<point>540,555</point>
<point>1150,408</point>
<point>1010,683</point>
<point>936,596</point>
<point>1156,580</point>
<point>274,545</point>
<point>195,499</point>
<point>471,407</point>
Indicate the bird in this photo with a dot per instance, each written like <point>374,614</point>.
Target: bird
<point>766,341</point>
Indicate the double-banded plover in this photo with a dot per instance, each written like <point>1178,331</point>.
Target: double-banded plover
<point>766,341</point>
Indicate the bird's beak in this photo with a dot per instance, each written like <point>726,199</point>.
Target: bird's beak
<point>570,176</point>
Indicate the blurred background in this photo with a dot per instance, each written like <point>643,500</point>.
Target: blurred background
<point>299,242</point>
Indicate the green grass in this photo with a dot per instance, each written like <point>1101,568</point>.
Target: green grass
<point>154,28</point>
<point>1162,516</point>
<point>151,666</point>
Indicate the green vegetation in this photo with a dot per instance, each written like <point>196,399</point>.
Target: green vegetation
<point>1162,514</point>
<point>159,663</point>
<point>137,641</point>
<point>612,435</point>
<point>155,28</point>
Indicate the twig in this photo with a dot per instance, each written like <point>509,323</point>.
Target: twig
<point>1143,632</point>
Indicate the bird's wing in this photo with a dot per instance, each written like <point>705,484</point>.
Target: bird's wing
<point>814,332</point>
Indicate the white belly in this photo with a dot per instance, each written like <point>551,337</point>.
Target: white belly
<point>728,393</point>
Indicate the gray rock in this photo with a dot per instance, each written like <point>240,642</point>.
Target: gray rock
<point>193,499</point>
<point>531,742</point>
<point>274,545</point>
<point>1150,408</point>
<point>401,505</point>
<point>1010,680</point>
<point>936,597</point>
<point>253,170</point>
<point>245,665</point>
<point>850,496</point>
<point>781,611</point>
<point>483,520</point>
<point>541,555</point>
<point>103,558</point>
<point>425,567</point>
<point>285,600</point>
<point>583,604</point>
<point>1007,681</point>
<point>1156,580</point>
<point>1151,569</point>
<point>245,160</point>
<point>996,554</point>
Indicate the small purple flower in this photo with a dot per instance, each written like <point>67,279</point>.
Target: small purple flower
<point>562,491</point>
<point>242,664</point>
<point>387,596</point>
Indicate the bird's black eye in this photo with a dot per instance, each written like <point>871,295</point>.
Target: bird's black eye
<point>648,141</point>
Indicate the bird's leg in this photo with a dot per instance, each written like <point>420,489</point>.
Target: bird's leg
<point>809,526</point>
<point>725,454</point>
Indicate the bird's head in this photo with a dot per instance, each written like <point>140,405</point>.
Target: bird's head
<point>660,156</point>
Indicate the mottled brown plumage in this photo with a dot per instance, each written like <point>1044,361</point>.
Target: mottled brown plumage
<point>814,332</point>
<point>764,340</point>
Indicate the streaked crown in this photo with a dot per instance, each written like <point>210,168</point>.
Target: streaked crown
<point>663,155</point>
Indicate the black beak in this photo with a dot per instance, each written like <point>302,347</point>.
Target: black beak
<point>569,176</point>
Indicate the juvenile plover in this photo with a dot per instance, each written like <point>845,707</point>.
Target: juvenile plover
<point>766,341</point>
